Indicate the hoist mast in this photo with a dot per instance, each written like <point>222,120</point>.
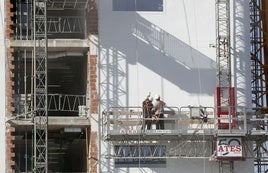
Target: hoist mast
<point>40,87</point>
<point>224,94</point>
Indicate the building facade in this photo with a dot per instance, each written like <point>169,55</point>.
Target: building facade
<point>88,65</point>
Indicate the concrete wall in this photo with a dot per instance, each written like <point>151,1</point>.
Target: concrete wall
<point>2,87</point>
<point>165,52</point>
<point>169,53</point>
<point>240,38</point>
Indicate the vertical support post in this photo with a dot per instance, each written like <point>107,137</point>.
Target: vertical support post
<point>223,59</point>
<point>224,96</point>
<point>259,70</point>
<point>40,87</point>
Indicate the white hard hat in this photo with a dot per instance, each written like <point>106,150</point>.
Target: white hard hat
<point>151,98</point>
<point>157,96</point>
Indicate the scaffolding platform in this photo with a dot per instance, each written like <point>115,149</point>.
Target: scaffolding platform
<point>53,122</point>
<point>129,124</point>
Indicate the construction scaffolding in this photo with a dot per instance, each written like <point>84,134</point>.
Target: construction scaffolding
<point>123,128</point>
<point>36,21</point>
<point>40,87</point>
<point>259,71</point>
<point>224,95</point>
<point>192,134</point>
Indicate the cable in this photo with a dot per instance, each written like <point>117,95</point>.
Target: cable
<point>191,49</point>
<point>200,88</point>
<point>136,51</point>
<point>198,68</point>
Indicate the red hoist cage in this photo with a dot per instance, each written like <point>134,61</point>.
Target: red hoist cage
<point>225,107</point>
<point>225,93</point>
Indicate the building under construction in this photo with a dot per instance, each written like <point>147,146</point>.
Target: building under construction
<point>76,72</point>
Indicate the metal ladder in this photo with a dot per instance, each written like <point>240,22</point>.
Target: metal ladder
<point>226,166</point>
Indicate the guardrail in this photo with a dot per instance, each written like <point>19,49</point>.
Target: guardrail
<point>130,121</point>
<point>56,102</point>
<point>187,120</point>
<point>65,102</point>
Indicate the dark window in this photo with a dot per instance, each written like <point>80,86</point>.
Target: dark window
<point>137,5</point>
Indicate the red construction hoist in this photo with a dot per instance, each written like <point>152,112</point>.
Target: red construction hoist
<point>224,94</point>
<point>225,107</point>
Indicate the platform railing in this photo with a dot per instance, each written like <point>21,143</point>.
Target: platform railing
<point>65,102</point>
<point>186,120</point>
<point>56,102</point>
<point>231,123</point>
<point>130,121</point>
<point>245,121</point>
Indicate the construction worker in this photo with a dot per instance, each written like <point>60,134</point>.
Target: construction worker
<point>147,107</point>
<point>159,112</point>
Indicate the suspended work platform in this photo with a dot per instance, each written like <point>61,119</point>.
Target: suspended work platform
<point>121,123</point>
<point>190,132</point>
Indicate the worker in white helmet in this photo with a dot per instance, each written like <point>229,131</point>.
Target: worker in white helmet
<point>147,107</point>
<point>159,111</point>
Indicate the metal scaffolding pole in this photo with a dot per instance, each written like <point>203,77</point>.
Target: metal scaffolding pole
<point>259,70</point>
<point>223,43</point>
<point>223,62</point>
<point>257,40</point>
<point>224,95</point>
<point>40,87</point>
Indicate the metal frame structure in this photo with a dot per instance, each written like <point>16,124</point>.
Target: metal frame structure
<point>65,102</point>
<point>192,136</point>
<point>223,62</point>
<point>258,62</point>
<point>65,24</point>
<point>23,28</point>
<point>188,147</point>
<point>55,102</point>
<point>259,75</point>
<point>40,87</point>
<point>32,23</point>
<point>259,70</point>
<point>55,24</point>
<point>67,4</point>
